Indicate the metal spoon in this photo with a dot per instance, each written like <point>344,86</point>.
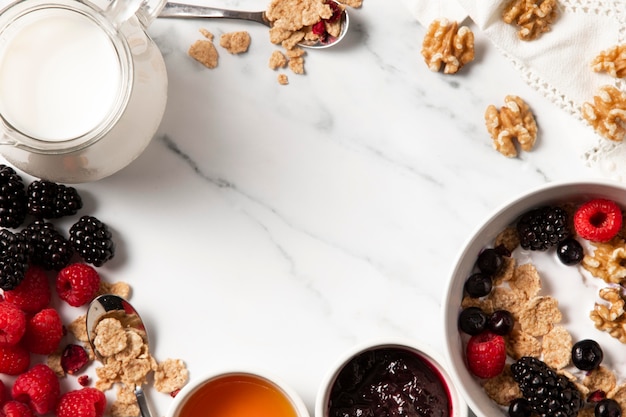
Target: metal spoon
<point>180,10</point>
<point>109,305</point>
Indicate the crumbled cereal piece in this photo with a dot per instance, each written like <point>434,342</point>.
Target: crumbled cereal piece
<point>508,238</point>
<point>204,52</point>
<point>125,404</point>
<point>352,3</point>
<point>277,60</point>
<point>607,113</point>
<point>513,121</point>
<point>612,61</point>
<point>485,304</point>
<point>110,337</point>
<point>533,17</point>
<point>619,395</point>
<point>607,261</point>
<point>78,328</point>
<point>291,19</point>
<point>235,42</point>
<point>557,347</point>
<point>507,272</point>
<point>526,279</point>
<point>520,344</point>
<point>54,362</point>
<point>121,289</point>
<point>540,316</point>
<point>601,378</point>
<point>447,45</point>
<point>297,65</point>
<point>170,375</point>
<point>206,34</point>
<point>508,299</point>
<point>283,79</point>
<point>503,389</point>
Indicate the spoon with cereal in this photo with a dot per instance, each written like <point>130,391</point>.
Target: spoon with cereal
<point>119,340</point>
<point>324,24</point>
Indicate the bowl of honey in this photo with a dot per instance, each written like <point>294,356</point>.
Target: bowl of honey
<point>237,393</point>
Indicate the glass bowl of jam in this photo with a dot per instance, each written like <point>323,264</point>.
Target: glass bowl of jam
<point>389,378</point>
<point>237,393</point>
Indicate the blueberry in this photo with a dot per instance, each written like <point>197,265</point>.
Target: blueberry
<point>472,320</point>
<point>520,407</point>
<point>587,355</point>
<point>570,251</point>
<point>607,408</point>
<point>489,262</point>
<point>501,322</point>
<point>478,285</point>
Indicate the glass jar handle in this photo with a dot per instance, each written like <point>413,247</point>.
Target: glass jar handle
<point>146,11</point>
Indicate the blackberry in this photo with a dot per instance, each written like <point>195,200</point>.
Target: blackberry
<point>49,200</point>
<point>12,198</point>
<point>14,255</point>
<point>50,249</point>
<point>548,393</point>
<point>542,228</point>
<point>91,239</point>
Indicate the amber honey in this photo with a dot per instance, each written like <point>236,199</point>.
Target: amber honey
<point>238,395</point>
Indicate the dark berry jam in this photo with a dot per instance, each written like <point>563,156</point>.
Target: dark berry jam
<point>389,382</point>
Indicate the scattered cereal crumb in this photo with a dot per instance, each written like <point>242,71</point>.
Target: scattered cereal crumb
<point>170,375</point>
<point>485,304</point>
<point>508,238</point>
<point>205,53</point>
<point>503,389</point>
<point>526,279</point>
<point>619,395</point>
<point>206,34</point>
<point>520,344</point>
<point>54,362</point>
<point>110,337</point>
<point>601,378</point>
<point>507,272</point>
<point>352,3</point>
<point>121,289</point>
<point>235,42</point>
<point>557,347</point>
<point>283,79</point>
<point>78,328</point>
<point>509,299</point>
<point>277,60</point>
<point>541,315</point>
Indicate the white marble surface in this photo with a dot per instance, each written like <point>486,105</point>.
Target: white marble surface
<point>278,226</point>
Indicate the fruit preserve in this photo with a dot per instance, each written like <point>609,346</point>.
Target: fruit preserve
<point>389,382</point>
<point>238,395</point>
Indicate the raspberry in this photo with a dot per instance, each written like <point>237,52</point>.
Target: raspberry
<point>85,402</point>
<point>33,293</point>
<point>77,284</point>
<point>598,220</point>
<point>37,387</point>
<point>12,324</point>
<point>73,359</point>
<point>319,28</point>
<point>486,354</point>
<point>16,409</point>
<point>14,360</point>
<point>49,200</point>
<point>44,332</point>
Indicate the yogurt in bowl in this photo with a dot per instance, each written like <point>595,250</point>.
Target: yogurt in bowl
<point>573,292</point>
<point>391,377</point>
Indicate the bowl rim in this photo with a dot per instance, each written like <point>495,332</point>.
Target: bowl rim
<point>538,195</point>
<point>459,406</point>
<point>298,404</point>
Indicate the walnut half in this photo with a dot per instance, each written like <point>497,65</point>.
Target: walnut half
<point>447,45</point>
<point>612,61</point>
<point>513,121</point>
<point>607,113</point>
<point>533,17</point>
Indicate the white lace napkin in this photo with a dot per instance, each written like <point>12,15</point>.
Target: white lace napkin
<point>558,63</point>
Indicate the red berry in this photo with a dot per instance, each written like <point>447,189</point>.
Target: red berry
<point>598,220</point>
<point>12,324</point>
<point>44,332</point>
<point>77,284</point>
<point>14,359</point>
<point>38,387</point>
<point>33,293</point>
<point>83,380</point>
<point>85,402</point>
<point>73,359</point>
<point>16,409</point>
<point>486,354</point>
<point>319,28</point>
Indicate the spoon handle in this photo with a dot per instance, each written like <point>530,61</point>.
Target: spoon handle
<point>181,10</point>
<point>142,402</point>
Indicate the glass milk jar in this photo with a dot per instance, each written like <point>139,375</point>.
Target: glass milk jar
<point>83,88</point>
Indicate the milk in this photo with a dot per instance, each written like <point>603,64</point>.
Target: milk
<point>59,74</point>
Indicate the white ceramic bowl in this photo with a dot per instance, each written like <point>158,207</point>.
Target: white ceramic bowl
<point>459,407</point>
<point>471,390</point>
<point>196,385</point>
